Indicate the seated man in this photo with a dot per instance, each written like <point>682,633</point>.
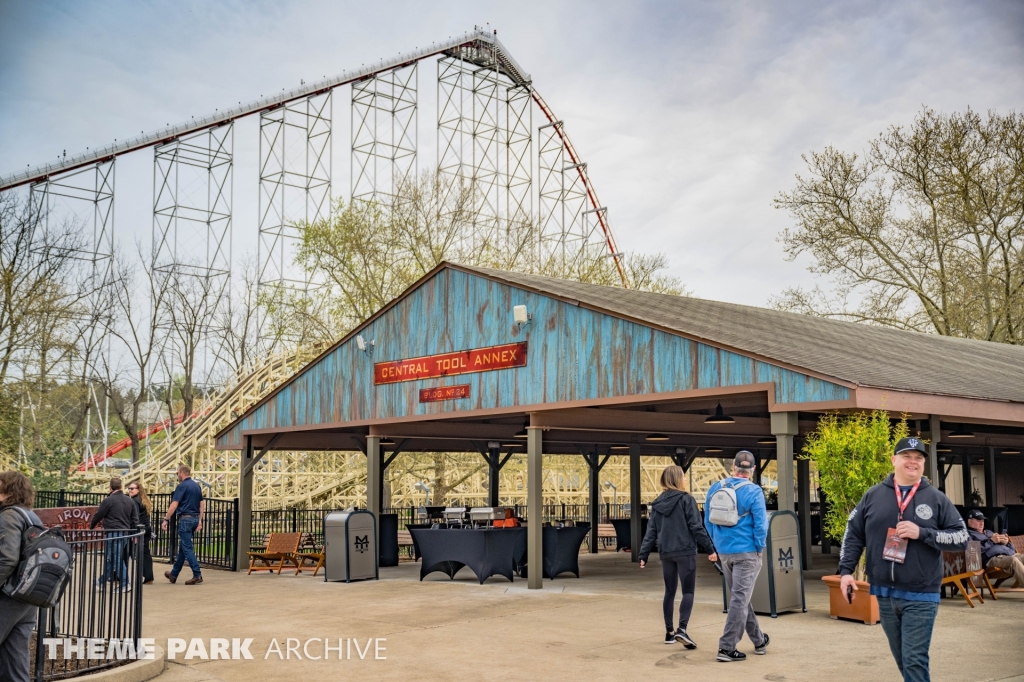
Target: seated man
<point>996,550</point>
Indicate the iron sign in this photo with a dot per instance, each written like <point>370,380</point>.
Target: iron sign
<point>448,364</point>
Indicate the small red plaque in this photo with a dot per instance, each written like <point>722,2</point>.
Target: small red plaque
<point>435,395</point>
<point>448,364</point>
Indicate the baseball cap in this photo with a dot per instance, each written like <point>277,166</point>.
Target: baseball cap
<point>911,444</point>
<point>977,515</point>
<point>744,460</point>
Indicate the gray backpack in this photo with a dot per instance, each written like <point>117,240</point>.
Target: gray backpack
<point>45,566</point>
<point>724,508</point>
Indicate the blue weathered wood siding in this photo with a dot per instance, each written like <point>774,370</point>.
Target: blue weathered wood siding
<point>574,354</point>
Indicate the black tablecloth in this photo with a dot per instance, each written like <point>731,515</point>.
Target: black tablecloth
<point>415,546</point>
<point>487,551</point>
<point>561,550</point>
<point>623,531</point>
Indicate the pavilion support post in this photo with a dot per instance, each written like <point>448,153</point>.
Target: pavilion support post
<point>990,478</point>
<point>594,499</point>
<point>494,474</point>
<point>934,436</point>
<point>803,473</point>
<point>534,507</point>
<point>374,476</point>
<point>635,536</point>
<point>968,484</point>
<point>784,427</point>
<point>244,538</point>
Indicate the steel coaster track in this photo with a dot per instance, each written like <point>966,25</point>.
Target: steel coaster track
<point>459,46</point>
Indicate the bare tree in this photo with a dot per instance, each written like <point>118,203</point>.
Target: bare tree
<point>238,343</point>
<point>140,305</point>
<point>193,304</point>
<point>925,232</point>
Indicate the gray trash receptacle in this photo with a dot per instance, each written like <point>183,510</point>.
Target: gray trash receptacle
<point>780,583</point>
<point>350,545</point>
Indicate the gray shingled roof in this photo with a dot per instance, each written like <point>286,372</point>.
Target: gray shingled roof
<point>857,353</point>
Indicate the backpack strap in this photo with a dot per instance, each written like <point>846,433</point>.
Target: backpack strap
<point>31,517</point>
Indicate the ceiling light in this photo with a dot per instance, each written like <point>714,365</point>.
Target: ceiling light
<point>619,447</point>
<point>1011,452</point>
<point>521,433</point>
<point>960,432</point>
<point>657,437</point>
<point>945,450</point>
<point>719,417</point>
<point>712,450</point>
<point>512,445</point>
<point>767,441</point>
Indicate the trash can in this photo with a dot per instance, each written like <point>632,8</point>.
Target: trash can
<point>350,545</point>
<point>780,584</point>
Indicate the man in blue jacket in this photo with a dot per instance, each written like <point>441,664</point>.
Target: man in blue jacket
<point>903,525</point>
<point>739,548</point>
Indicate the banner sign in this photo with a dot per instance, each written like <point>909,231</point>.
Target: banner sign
<point>68,518</point>
<point>436,395</point>
<point>448,364</point>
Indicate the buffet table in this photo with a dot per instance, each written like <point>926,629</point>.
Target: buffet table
<point>486,551</point>
<point>561,550</point>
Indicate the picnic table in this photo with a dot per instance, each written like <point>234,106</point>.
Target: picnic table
<point>486,551</point>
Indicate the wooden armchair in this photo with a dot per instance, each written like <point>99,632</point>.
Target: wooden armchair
<point>999,575</point>
<point>309,556</point>
<point>281,549</point>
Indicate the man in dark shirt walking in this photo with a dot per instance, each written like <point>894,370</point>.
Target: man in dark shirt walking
<point>188,506</point>
<point>904,525</point>
<point>120,517</point>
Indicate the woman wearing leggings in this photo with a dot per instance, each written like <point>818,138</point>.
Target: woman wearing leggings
<point>678,529</point>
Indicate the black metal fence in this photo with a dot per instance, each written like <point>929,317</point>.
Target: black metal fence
<point>103,602</point>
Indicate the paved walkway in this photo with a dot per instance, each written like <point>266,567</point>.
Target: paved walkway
<point>605,626</point>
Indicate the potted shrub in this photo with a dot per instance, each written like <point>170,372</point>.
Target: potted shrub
<point>852,453</point>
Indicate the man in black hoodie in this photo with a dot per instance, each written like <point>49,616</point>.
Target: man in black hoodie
<point>120,517</point>
<point>676,525</point>
<point>905,525</point>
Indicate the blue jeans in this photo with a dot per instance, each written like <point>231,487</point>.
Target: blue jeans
<point>114,566</point>
<point>908,626</point>
<point>186,527</point>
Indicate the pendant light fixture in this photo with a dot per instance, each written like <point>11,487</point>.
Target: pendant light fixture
<point>719,417</point>
<point>960,432</point>
<point>657,437</point>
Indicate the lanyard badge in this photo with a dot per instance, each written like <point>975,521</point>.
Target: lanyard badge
<point>895,548</point>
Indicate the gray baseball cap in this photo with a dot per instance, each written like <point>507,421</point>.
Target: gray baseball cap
<point>744,460</point>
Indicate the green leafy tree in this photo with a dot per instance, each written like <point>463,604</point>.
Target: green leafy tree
<point>852,453</point>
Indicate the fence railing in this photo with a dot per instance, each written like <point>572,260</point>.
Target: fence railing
<point>214,543</point>
<point>102,602</point>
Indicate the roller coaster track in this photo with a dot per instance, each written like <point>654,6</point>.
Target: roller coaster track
<point>193,441</point>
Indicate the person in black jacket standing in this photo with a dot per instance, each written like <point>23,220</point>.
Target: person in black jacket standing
<point>142,503</point>
<point>904,525</point>
<point>120,517</point>
<point>677,527</point>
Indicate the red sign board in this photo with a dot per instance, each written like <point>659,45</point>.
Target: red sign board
<point>436,395</point>
<point>448,364</point>
<point>68,518</point>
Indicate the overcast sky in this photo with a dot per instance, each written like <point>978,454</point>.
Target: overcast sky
<point>692,116</point>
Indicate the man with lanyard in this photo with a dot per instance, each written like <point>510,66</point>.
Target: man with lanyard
<point>188,504</point>
<point>904,525</point>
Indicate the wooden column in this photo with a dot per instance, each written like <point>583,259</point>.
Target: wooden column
<point>374,476</point>
<point>634,502</point>
<point>594,466</point>
<point>244,538</point>
<point>494,474</point>
<point>990,478</point>
<point>534,507</point>
<point>784,427</point>
<point>934,437</point>
<point>803,473</point>
<point>965,470</point>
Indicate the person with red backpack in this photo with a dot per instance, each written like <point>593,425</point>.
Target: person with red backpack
<point>17,618</point>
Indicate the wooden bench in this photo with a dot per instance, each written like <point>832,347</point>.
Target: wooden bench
<point>281,549</point>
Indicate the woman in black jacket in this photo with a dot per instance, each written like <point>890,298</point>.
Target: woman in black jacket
<point>138,495</point>
<point>677,527</point>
